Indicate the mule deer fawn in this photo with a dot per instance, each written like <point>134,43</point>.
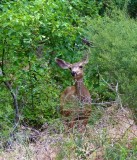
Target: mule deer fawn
<point>75,100</point>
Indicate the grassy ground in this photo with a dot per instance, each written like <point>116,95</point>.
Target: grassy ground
<point>110,134</point>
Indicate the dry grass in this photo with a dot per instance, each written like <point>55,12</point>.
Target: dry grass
<point>53,143</point>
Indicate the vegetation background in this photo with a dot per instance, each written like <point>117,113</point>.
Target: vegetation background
<point>34,32</point>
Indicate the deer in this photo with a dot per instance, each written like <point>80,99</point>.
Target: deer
<point>78,95</point>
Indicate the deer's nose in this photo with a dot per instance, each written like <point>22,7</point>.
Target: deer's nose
<point>73,73</point>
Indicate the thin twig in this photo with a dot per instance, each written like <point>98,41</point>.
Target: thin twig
<point>116,90</point>
<point>104,103</point>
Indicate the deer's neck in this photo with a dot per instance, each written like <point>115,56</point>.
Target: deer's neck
<point>79,87</point>
<point>82,93</point>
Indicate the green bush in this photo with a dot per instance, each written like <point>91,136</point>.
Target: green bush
<point>32,34</point>
<point>115,54</point>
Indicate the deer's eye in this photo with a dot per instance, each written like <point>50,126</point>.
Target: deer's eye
<point>80,66</point>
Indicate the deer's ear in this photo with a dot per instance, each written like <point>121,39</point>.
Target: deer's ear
<point>85,60</point>
<point>62,63</point>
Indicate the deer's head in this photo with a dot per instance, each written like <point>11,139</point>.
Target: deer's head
<point>75,68</point>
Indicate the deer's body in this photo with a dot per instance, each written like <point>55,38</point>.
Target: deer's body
<point>75,100</point>
<point>75,93</point>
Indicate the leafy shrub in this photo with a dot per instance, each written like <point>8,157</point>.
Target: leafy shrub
<point>32,34</point>
<point>114,56</point>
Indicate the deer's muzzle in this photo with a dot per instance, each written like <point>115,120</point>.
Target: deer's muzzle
<point>73,73</point>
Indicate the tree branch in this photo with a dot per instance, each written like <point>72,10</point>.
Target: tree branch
<point>9,87</point>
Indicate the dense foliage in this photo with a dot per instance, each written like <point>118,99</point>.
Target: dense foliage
<point>115,54</point>
<point>33,33</point>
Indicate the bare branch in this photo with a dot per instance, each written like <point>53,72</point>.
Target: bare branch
<point>105,103</point>
<point>116,90</point>
<point>9,87</point>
